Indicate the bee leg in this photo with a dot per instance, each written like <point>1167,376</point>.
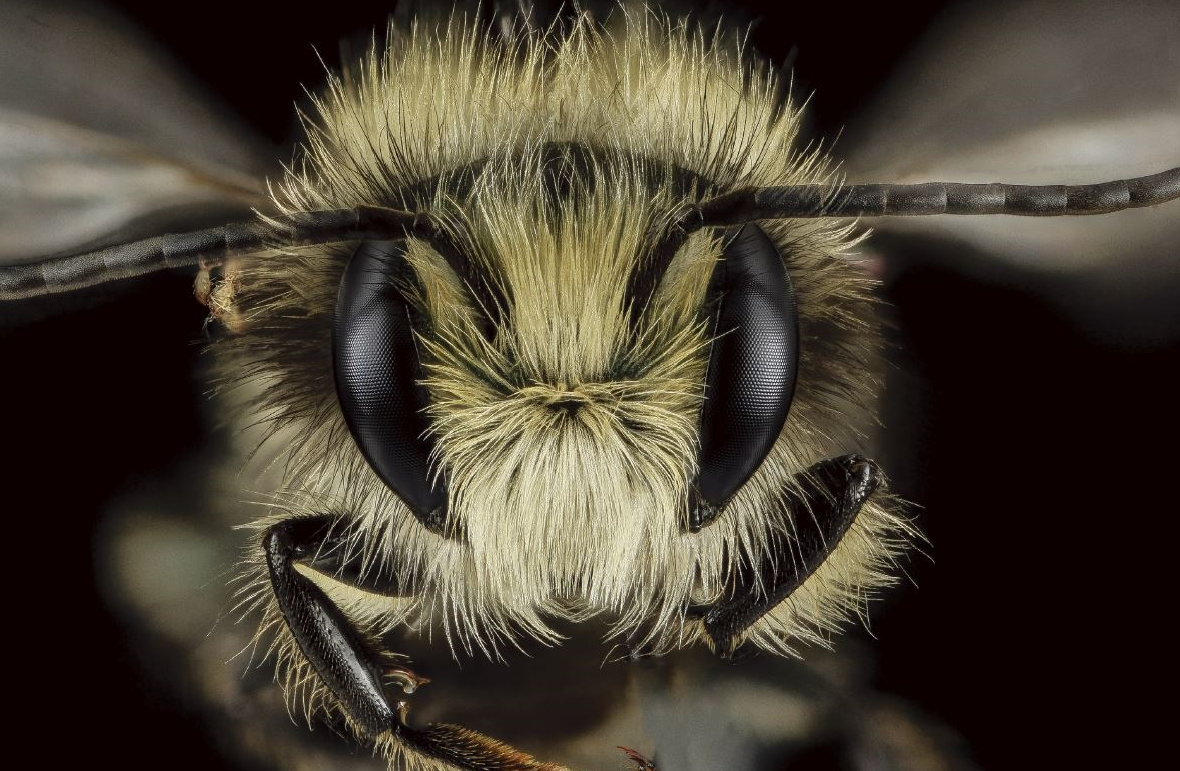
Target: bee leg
<point>340,654</point>
<point>467,749</point>
<point>830,496</point>
<point>345,660</point>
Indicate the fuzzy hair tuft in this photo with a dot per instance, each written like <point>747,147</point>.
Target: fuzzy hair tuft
<point>562,516</point>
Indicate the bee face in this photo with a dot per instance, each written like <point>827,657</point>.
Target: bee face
<point>533,384</point>
<point>362,492</point>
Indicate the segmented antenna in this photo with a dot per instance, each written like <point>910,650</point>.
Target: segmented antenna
<point>65,274</point>
<point>875,200</point>
<point>180,250</point>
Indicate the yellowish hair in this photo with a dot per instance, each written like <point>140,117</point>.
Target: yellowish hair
<point>559,516</point>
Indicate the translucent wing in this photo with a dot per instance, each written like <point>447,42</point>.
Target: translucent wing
<point>1040,93</point>
<point>1037,373</point>
<point>102,139</point>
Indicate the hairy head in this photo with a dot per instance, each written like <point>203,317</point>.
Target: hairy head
<point>564,378</point>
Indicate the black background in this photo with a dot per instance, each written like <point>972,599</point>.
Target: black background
<point>1043,459</point>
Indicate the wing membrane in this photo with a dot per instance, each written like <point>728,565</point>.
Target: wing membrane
<point>102,140</point>
<point>1036,93</point>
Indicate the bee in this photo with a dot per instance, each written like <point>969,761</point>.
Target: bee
<point>525,379</point>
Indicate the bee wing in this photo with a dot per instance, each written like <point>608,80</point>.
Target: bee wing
<point>103,140</point>
<point>1037,93</point>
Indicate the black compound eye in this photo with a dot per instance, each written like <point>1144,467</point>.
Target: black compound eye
<point>752,369</point>
<point>377,369</point>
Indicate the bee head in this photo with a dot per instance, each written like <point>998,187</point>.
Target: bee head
<point>514,341</point>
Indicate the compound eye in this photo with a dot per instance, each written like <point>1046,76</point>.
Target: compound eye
<point>752,369</point>
<point>377,369</point>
